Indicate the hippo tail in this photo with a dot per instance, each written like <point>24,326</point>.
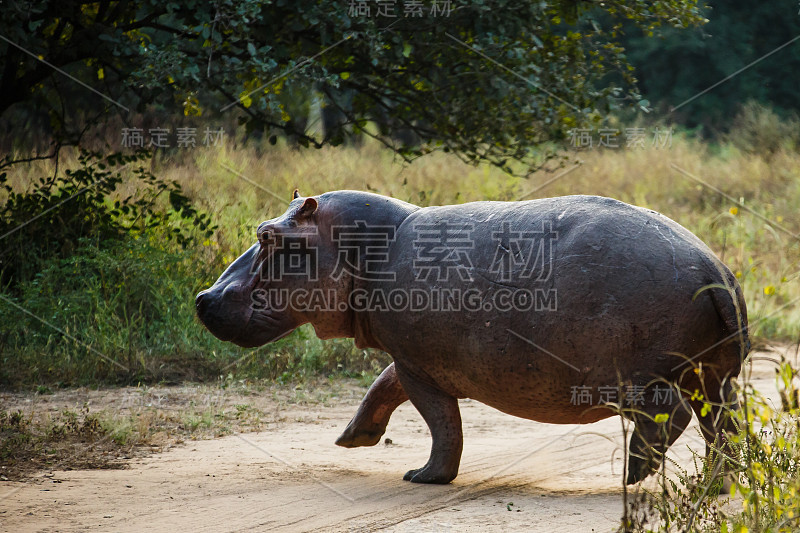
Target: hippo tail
<point>732,309</point>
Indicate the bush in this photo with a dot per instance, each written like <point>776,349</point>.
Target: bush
<point>124,313</point>
<point>757,129</point>
<point>47,222</point>
<point>121,312</point>
<point>765,461</point>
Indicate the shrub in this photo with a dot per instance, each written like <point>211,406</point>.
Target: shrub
<point>765,461</point>
<point>47,222</point>
<point>757,129</point>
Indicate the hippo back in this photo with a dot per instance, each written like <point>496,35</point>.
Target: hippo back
<point>547,294</point>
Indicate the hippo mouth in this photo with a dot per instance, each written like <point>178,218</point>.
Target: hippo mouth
<point>257,342</point>
<point>261,328</point>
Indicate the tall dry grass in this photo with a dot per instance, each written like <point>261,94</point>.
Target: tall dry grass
<point>742,203</point>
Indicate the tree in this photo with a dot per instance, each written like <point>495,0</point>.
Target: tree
<point>678,66</point>
<point>491,80</point>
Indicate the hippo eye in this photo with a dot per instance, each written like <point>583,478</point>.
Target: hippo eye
<point>265,237</point>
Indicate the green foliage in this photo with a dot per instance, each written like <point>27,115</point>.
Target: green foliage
<point>491,81</point>
<point>47,222</point>
<point>124,313</point>
<point>679,64</point>
<point>769,442</point>
<point>765,461</point>
<point>107,310</point>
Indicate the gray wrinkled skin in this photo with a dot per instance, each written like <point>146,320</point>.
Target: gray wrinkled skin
<point>627,313</point>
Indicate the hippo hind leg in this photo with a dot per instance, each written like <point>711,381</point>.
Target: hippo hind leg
<point>652,436</point>
<point>369,423</point>
<point>440,412</point>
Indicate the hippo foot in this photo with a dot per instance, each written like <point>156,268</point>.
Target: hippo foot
<point>638,469</point>
<point>727,484</point>
<point>426,474</point>
<point>370,421</point>
<point>353,438</point>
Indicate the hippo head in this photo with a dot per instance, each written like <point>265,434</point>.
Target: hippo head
<point>249,303</point>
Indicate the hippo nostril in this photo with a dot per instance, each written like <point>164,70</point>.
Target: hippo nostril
<point>233,292</point>
<point>201,302</point>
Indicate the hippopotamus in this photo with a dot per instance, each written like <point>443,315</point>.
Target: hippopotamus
<point>563,310</point>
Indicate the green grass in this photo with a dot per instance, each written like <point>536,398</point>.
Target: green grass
<point>125,315</point>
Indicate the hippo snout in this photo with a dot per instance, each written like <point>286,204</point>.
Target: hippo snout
<point>201,303</point>
<point>224,316</point>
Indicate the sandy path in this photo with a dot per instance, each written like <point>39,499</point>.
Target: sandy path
<point>293,478</point>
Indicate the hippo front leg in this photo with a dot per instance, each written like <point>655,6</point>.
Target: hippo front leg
<point>369,423</point>
<point>440,411</point>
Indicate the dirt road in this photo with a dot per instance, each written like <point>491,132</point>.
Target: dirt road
<point>516,475</point>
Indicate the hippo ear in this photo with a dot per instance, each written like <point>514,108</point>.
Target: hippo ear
<point>308,208</point>
<point>296,194</point>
